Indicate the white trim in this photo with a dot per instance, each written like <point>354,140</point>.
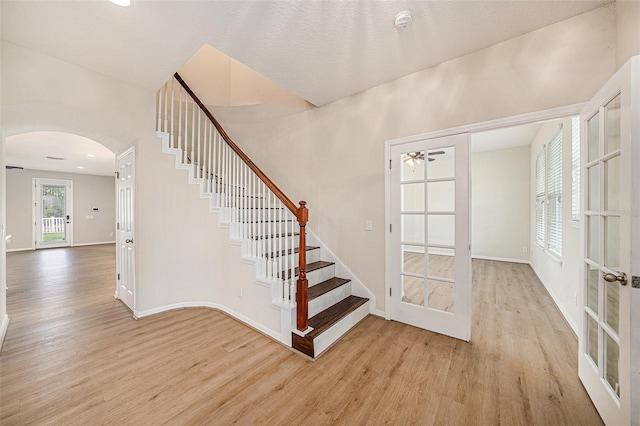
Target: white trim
<point>565,314</point>
<point>531,117</point>
<point>501,259</point>
<point>181,305</point>
<point>3,329</point>
<point>94,244</point>
<point>21,249</point>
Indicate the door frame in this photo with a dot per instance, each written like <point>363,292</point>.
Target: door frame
<point>131,150</point>
<point>516,120</point>
<point>37,182</point>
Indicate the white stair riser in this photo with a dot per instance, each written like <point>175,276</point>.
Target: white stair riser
<point>312,256</point>
<point>268,228</point>
<point>328,299</point>
<point>321,275</point>
<point>326,339</point>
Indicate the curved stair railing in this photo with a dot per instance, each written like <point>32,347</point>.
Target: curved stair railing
<point>269,226</point>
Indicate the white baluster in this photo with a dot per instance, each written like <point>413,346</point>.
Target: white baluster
<point>173,134</point>
<point>158,108</point>
<point>186,129</point>
<point>165,122</point>
<point>180,118</point>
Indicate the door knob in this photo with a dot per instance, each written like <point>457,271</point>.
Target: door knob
<point>612,278</point>
<point>128,241</point>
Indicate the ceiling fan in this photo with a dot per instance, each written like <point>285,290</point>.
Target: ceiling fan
<point>416,158</point>
<point>14,167</point>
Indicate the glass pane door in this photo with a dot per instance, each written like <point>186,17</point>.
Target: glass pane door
<point>608,352</point>
<point>430,202</point>
<point>53,202</point>
<point>54,213</point>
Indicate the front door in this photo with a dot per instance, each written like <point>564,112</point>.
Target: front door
<point>430,277</point>
<point>53,206</point>
<point>609,361</point>
<point>126,290</point>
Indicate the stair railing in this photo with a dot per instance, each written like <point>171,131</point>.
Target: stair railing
<point>260,216</point>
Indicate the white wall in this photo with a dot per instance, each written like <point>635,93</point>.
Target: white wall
<point>88,191</point>
<point>560,277</point>
<point>500,202</point>
<point>333,156</point>
<point>182,254</point>
<point>628,30</point>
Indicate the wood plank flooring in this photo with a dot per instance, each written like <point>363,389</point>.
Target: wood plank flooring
<point>74,356</point>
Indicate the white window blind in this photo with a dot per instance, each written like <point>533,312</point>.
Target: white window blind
<point>540,196</point>
<point>554,195</point>
<point>575,168</point>
<point>549,195</point>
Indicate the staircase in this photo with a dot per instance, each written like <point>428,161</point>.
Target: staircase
<point>269,228</point>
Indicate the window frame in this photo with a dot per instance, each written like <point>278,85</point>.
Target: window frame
<point>548,195</point>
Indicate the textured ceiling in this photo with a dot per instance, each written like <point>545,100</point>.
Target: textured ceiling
<point>321,50</point>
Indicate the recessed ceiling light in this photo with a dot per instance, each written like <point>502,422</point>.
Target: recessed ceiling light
<point>81,167</point>
<point>54,158</point>
<point>91,156</point>
<point>123,3</point>
<point>402,19</point>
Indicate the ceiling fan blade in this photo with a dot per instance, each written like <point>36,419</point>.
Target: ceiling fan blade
<point>437,153</point>
<point>432,159</point>
<point>14,167</point>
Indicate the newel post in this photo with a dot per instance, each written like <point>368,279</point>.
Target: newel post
<point>302,285</point>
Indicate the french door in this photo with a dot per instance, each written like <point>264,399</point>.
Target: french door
<point>53,206</point>
<point>430,277</point>
<point>125,256</point>
<point>609,359</point>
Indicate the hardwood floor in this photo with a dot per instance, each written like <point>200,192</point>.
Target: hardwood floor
<point>74,355</point>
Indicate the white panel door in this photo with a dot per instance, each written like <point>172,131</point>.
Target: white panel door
<point>609,358</point>
<point>431,259</point>
<point>126,290</point>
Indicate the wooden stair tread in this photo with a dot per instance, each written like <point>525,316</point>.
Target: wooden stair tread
<point>310,267</point>
<point>325,319</point>
<point>288,252</point>
<point>325,287</point>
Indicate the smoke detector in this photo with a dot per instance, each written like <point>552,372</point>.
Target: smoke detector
<point>403,19</point>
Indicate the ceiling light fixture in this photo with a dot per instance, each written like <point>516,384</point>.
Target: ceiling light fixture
<point>122,3</point>
<point>81,167</point>
<point>402,19</point>
<point>414,159</point>
<point>91,156</point>
<point>54,158</point>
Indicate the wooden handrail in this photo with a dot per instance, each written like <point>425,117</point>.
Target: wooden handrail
<point>301,212</point>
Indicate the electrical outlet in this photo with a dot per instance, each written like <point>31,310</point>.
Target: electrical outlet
<point>525,249</point>
<point>240,292</point>
<point>575,298</point>
<point>368,225</point>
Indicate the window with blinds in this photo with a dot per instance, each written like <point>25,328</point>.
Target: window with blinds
<point>575,168</point>
<point>541,189</point>
<point>549,195</point>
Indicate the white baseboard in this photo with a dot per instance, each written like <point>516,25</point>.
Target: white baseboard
<point>378,313</point>
<point>501,259</point>
<point>564,313</point>
<point>20,249</point>
<point>93,244</point>
<point>3,329</point>
<point>181,305</point>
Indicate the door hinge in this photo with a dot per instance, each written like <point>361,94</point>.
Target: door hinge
<point>118,277</point>
<point>117,175</point>
<point>390,228</point>
<point>118,225</point>
<point>389,292</point>
<point>389,164</point>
